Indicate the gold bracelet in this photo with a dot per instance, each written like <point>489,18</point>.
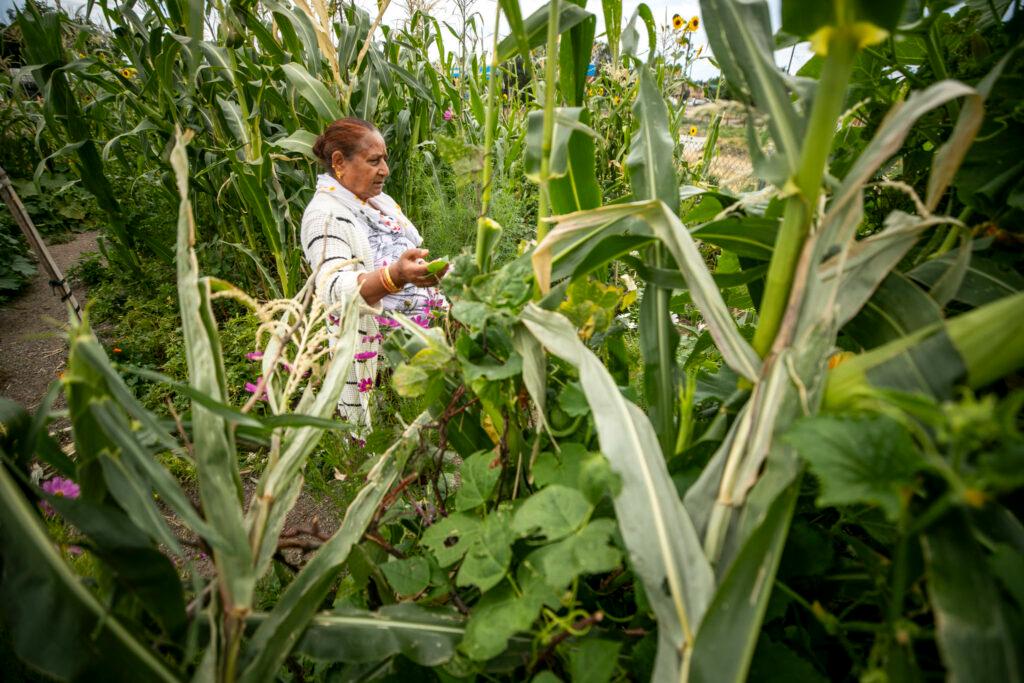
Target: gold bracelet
<point>389,284</point>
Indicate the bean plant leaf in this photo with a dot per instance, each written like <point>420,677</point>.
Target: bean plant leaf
<point>594,660</point>
<point>488,558</point>
<point>869,460</point>
<point>554,512</point>
<point>408,576</point>
<point>452,537</point>
<point>502,612</point>
<point>480,473</point>
<point>586,551</point>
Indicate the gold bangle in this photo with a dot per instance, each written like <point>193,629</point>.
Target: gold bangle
<point>389,284</point>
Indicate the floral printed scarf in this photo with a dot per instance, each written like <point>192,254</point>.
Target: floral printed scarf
<point>390,233</point>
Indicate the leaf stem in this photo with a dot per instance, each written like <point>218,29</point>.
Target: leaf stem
<point>483,230</point>
<point>801,204</point>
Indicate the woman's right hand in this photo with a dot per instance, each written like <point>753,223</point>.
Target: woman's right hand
<point>411,268</point>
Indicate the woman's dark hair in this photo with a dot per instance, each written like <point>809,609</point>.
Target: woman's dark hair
<point>344,135</point>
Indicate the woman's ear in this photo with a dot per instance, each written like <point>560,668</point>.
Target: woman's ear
<point>337,161</point>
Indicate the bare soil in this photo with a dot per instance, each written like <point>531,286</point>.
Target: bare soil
<point>33,329</point>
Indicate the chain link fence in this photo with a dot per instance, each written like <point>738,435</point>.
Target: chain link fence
<point>728,166</point>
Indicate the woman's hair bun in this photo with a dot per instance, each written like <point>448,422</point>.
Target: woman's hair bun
<point>344,135</point>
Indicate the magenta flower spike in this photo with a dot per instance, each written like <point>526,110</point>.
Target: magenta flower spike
<point>252,388</point>
<point>448,114</point>
<point>254,355</point>
<point>365,355</point>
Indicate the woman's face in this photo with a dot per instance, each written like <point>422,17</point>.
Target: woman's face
<point>364,174</point>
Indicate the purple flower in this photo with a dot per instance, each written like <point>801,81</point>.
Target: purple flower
<point>448,114</point>
<point>365,384</point>
<point>361,443</point>
<point>253,388</point>
<point>421,320</point>
<point>333,319</point>
<point>254,355</point>
<point>365,355</point>
<point>370,338</point>
<point>386,322</point>
<point>75,550</point>
<point>287,366</point>
<point>60,487</point>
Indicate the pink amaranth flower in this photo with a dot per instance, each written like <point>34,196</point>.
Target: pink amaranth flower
<point>253,388</point>
<point>448,114</point>
<point>254,355</point>
<point>386,322</point>
<point>365,384</point>
<point>365,355</point>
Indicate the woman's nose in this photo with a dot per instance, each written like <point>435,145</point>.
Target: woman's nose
<point>385,169</point>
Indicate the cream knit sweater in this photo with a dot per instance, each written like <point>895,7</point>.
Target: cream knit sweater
<point>331,235</point>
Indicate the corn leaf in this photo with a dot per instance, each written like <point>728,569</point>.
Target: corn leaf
<point>662,542</point>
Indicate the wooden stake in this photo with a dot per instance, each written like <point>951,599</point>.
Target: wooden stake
<point>24,221</point>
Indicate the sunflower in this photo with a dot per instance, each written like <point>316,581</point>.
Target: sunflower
<point>128,73</point>
<point>677,22</point>
<point>693,131</point>
<point>693,25</point>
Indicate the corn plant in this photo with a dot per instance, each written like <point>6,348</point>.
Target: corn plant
<point>121,482</point>
<point>707,563</point>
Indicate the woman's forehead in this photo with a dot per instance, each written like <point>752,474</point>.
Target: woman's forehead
<point>373,143</point>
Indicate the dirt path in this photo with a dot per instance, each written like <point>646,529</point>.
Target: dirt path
<point>33,350</point>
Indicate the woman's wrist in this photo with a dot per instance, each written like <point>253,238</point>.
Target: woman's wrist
<point>395,275</point>
<point>388,281</point>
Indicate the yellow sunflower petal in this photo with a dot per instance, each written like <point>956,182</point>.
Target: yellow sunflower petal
<point>693,25</point>
<point>677,22</point>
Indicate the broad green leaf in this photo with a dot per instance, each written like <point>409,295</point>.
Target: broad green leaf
<point>649,162</point>
<point>594,661</point>
<point>574,58</point>
<point>426,636</point>
<point>974,637</point>
<point>897,308</point>
<point>535,28</point>
<point>586,551</point>
<point>502,613</point>
<point>869,460</point>
<point>313,91</point>
<point>452,537</point>
<point>749,236</point>
<point>237,124</point>
<point>408,576</point>
<point>488,558</point>
<point>48,610</point>
<point>553,512</point>
<point>985,280</point>
<point>480,473</point>
<point>663,546</point>
<point>300,142</point>
<point>803,19</point>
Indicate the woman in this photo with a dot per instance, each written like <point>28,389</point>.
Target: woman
<point>350,217</point>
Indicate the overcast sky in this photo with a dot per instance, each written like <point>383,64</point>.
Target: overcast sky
<point>445,11</point>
